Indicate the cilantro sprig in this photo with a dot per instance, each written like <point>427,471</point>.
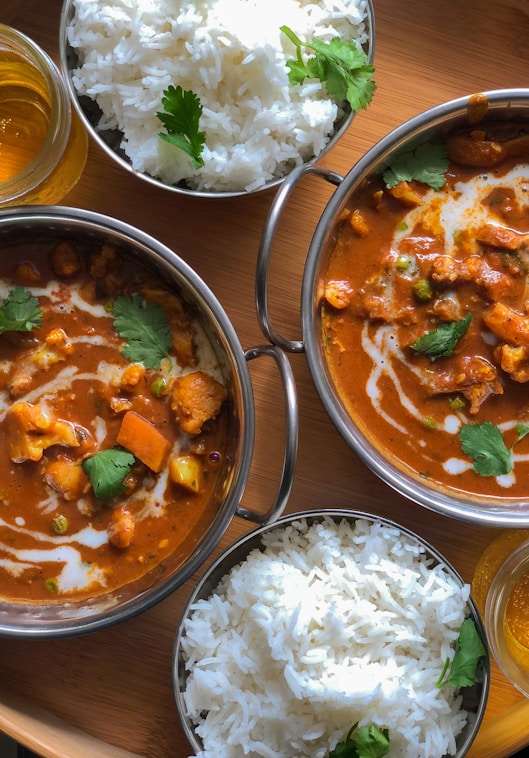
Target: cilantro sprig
<point>484,443</point>
<point>107,471</point>
<point>363,742</point>
<point>20,312</point>
<point>181,119</point>
<point>522,430</point>
<point>442,341</point>
<point>427,163</point>
<point>145,327</point>
<point>342,65</point>
<point>469,651</point>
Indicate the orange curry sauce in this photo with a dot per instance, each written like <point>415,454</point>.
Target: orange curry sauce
<point>410,259</point>
<point>65,391</point>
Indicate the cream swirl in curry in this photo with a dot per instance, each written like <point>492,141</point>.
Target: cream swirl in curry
<point>112,422</point>
<point>425,313</point>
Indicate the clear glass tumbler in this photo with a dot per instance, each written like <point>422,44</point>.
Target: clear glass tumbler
<point>43,144</point>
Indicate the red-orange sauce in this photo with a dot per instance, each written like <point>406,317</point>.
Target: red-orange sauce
<point>407,261</point>
<point>65,387</point>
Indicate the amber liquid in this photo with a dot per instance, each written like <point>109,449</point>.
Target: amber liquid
<point>25,120</point>
<point>24,114</point>
<point>516,627</point>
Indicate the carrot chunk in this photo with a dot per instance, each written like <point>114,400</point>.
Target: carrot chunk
<point>143,440</point>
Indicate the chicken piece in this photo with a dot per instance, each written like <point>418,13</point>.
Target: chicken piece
<point>195,399</point>
<point>27,273</point>
<point>446,270</point>
<point>474,149</point>
<point>514,361</point>
<point>65,259</point>
<point>501,236</point>
<point>472,376</point>
<point>338,294</point>
<point>31,431</point>
<point>358,223</point>
<point>406,194</point>
<point>508,325</point>
<point>67,478</point>
<point>386,297</point>
<point>120,528</point>
<point>446,308</point>
<point>102,261</point>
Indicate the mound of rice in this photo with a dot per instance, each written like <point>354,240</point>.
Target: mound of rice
<point>231,54</point>
<point>332,623</point>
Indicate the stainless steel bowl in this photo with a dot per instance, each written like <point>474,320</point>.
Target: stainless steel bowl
<point>503,105</point>
<point>474,697</point>
<point>60,619</point>
<point>110,140</point>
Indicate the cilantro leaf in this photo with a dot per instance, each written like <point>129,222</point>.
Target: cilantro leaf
<point>469,651</point>
<point>522,430</point>
<point>20,311</point>
<point>342,65</point>
<point>441,342</point>
<point>367,742</point>
<point>107,471</point>
<point>181,118</point>
<point>426,164</point>
<point>146,329</point>
<point>484,443</point>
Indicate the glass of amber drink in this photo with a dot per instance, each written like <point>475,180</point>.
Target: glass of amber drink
<point>501,587</point>
<point>43,145</point>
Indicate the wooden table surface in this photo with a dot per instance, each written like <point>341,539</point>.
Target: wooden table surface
<point>109,694</point>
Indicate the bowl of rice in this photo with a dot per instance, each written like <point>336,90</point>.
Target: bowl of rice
<point>216,98</point>
<point>325,627</point>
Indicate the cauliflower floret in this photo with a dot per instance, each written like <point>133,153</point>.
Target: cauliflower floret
<point>31,431</point>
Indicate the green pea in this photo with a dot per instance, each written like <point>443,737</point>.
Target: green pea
<point>51,584</point>
<point>423,291</point>
<point>158,387</point>
<point>59,524</point>
<point>403,262</point>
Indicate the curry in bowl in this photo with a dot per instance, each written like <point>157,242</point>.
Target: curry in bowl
<point>425,311</point>
<point>114,418</point>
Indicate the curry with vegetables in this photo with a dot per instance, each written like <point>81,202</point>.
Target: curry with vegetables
<point>425,311</point>
<point>113,421</point>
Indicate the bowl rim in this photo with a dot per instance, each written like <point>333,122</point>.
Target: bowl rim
<point>445,502</point>
<point>343,123</point>
<point>236,553</point>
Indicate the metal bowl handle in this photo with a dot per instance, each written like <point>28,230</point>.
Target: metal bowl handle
<point>265,251</point>
<point>291,434</point>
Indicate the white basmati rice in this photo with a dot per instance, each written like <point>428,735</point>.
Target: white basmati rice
<point>231,54</point>
<point>331,624</point>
